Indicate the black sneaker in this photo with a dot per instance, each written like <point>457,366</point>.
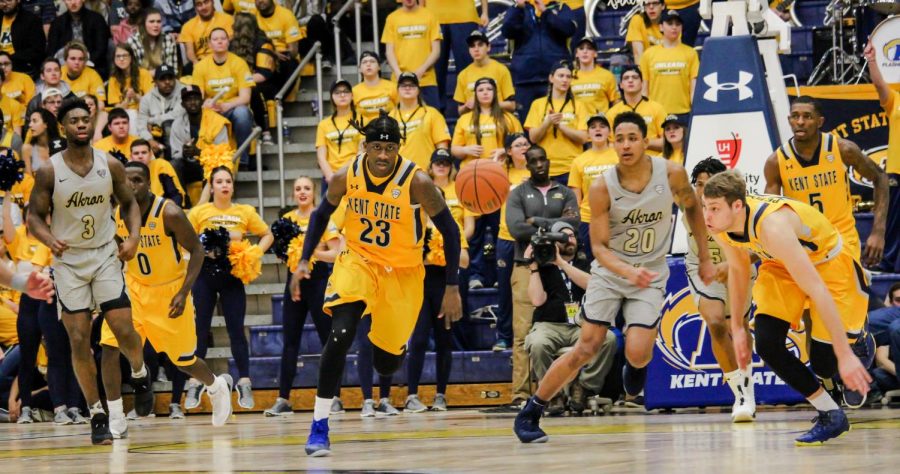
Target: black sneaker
<point>143,394</point>
<point>100,429</point>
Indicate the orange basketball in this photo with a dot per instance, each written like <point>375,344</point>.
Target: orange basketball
<point>482,186</point>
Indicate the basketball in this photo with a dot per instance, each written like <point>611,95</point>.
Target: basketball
<point>482,186</point>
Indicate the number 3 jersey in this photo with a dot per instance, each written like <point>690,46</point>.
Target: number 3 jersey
<point>159,259</point>
<point>381,223</point>
<point>82,212</point>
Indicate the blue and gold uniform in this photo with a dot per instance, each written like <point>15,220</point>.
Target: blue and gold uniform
<point>153,278</point>
<point>775,291</point>
<point>382,264</point>
<point>822,183</point>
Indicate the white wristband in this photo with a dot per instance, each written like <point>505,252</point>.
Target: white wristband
<point>19,282</point>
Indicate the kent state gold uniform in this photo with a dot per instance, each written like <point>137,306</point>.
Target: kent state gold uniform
<point>382,265</point>
<point>775,291</point>
<point>822,183</point>
<point>153,277</point>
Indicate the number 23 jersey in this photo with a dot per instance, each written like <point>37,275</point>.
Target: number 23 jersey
<point>382,224</point>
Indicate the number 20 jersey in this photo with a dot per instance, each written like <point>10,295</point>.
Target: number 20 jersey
<point>158,260</point>
<point>382,224</point>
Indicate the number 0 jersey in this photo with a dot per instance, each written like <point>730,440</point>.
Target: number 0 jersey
<point>158,260</point>
<point>381,223</point>
<point>822,183</point>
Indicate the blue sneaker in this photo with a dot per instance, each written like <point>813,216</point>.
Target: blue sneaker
<point>318,445</point>
<point>829,424</point>
<point>864,348</point>
<point>527,425</point>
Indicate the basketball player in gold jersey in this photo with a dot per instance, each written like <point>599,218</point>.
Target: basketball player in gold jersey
<point>803,261</point>
<point>159,281</point>
<point>811,167</point>
<point>381,272</point>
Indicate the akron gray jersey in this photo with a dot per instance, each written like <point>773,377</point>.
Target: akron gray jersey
<point>640,225</point>
<point>82,214</point>
<point>692,258</point>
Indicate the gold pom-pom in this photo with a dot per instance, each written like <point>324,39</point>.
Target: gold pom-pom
<point>213,156</point>
<point>246,260</point>
<point>295,251</point>
<point>436,254</point>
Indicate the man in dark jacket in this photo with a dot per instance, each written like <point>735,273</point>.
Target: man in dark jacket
<point>540,32</point>
<point>83,25</point>
<point>23,37</point>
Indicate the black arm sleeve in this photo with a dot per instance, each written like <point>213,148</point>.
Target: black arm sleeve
<point>447,227</point>
<point>170,191</point>
<point>318,222</point>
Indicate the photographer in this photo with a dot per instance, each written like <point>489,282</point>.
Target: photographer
<point>536,203</point>
<point>556,286</point>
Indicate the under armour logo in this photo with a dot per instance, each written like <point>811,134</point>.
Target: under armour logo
<point>712,80</point>
<point>385,136</point>
<point>57,143</point>
<point>354,186</point>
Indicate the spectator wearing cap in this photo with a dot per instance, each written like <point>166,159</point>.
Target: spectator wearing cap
<point>634,100</point>
<point>226,73</point>
<point>674,134</point>
<point>412,38</point>
<point>644,29</point>
<point>21,35</point>
<point>81,78</point>
<point>671,68</point>
<point>337,139</point>
<point>15,85</point>
<point>128,82</point>
<point>592,85</point>
<point>689,12</point>
<point>252,45</point>
<point>51,99</point>
<point>158,108</point>
<point>84,26</point>
<point>163,179</point>
<point>195,33</point>
<point>118,142</point>
<point>458,20</point>
<point>175,14</point>
<point>422,127</point>
<point>585,168</point>
<point>480,133</point>
<point>153,48</point>
<point>557,122</point>
<point>374,93</point>
<point>541,32</point>
<point>483,66</point>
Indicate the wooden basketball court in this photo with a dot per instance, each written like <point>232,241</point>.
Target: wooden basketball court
<point>465,440</point>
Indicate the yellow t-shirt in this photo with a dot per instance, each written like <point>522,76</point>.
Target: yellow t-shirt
<point>108,145</point>
<point>464,134</point>
<point>21,191</point>
<point>8,334</point>
<point>573,4</point>
<point>18,87</point>
<point>465,81</point>
<point>6,43</point>
<point>411,33</point>
<point>232,75</point>
<point>422,129</point>
<point>237,218</point>
<point>668,72</point>
<point>89,82</point>
<point>596,89</point>
<point>196,32</point>
<point>239,6</point>
<point>454,11</point>
<point>637,31</point>
<point>677,157</point>
<point>43,257</point>
<point>338,129</point>
<point>679,4</point>
<point>654,114</point>
<point>892,108</point>
<point>331,232</point>
<point>516,177</point>
<point>115,95</point>
<point>368,100</point>
<point>23,246</point>
<point>560,150</point>
<point>585,168</point>
<point>281,28</point>
<point>13,113</point>
<point>159,167</point>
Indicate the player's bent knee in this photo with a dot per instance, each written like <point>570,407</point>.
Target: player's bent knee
<point>386,363</point>
<point>718,328</point>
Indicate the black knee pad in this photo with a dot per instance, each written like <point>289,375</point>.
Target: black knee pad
<point>344,319</point>
<point>386,363</point>
<point>822,359</point>
<point>770,335</point>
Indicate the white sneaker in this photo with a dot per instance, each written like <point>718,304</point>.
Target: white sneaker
<point>118,425</point>
<point>744,408</point>
<point>742,413</point>
<point>175,412</point>
<point>245,395</point>
<point>193,390</point>
<point>368,409</point>
<point>414,405</point>
<point>220,398</point>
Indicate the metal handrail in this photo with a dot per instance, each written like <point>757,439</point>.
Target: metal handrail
<point>335,21</point>
<point>257,131</point>
<point>319,109</point>
<point>279,107</point>
<point>374,23</point>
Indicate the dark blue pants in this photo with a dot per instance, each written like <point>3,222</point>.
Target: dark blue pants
<point>431,96</point>
<point>690,18</point>
<point>365,368</point>
<point>9,369</point>
<point>562,179</point>
<point>482,268</point>
<point>206,291</point>
<point>584,240</point>
<point>312,292</point>
<point>884,324</point>
<point>454,42</point>
<point>580,24</point>
<point>37,319</point>
<point>506,252</point>
<point>526,94</point>
<point>891,261</point>
<point>428,325</point>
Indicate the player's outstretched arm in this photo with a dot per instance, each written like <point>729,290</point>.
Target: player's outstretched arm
<point>129,209</point>
<point>35,284</point>
<point>688,201</point>
<point>738,262</point>
<point>773,175</point>
<point>180,228</point>
<point>598,196</point>
<point>778,233</point>
<point>853,156</point>
<point>39,210</point>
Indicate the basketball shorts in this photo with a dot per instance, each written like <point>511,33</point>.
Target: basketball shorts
<point>715,290</point>
<point>393,296</point>
<point>150,313</point>
<point>778,295</point>
<point>607,293</point>
<point>88,279</point>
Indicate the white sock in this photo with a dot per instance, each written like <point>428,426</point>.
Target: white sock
<point>734,380</point>
<point>59,409</point>
<point>140,373</point>
<point>97,408</point>
<point>322,409</point>
<point>823,402</point>
<point>215,386</point>
<point>749,391</point>
<point>115,407</point>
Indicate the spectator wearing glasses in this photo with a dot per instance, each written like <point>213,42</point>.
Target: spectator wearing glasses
<point>128,82</point>
<point>412,38</point>
<point>337,140</point>
<point>16,86</point>
<point>644,29</point>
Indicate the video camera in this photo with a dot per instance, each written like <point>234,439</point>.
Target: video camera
<point>543,245</point>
